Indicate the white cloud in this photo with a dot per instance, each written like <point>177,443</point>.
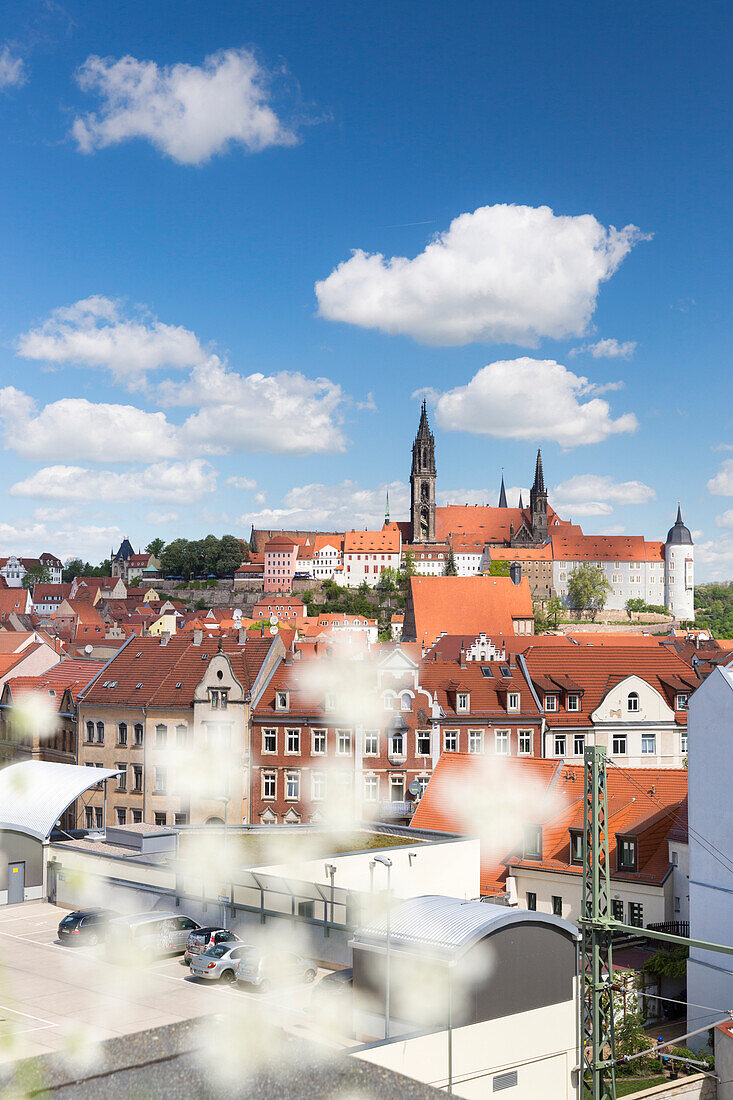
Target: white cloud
<point>32,537</point>
<point>530,399</point>
<point>607,349</point>
<point>596,495</point>
<point>503,274</point>
<point>170,482</point>
<point>240,483</point>
<point>714,559</point>
<point>482,496</point>
<point>340,507</point>
<point>162,517</point>
<point>722,483</point>
<point>726,519</point>
<point>12,70</point>
<point>94,333</point>
<point>188,112</point>
<point>612,529</point>
<point>77,429</point>
<point>284,413</point>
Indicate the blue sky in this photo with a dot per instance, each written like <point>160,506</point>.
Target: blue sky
<point>217,305</point>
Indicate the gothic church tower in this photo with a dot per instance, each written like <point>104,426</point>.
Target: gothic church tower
<point>422,482</point>
<point>538,503</point>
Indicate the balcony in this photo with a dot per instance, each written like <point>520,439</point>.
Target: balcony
<point>390,811</point>
<point>397,757</point>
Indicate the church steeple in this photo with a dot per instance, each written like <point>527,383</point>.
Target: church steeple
<point>521,506</point>
<point>539,476</point>
<point>502,491</point>
<point>538,502</point>
<point>386,509</point>
<point>422,481</point>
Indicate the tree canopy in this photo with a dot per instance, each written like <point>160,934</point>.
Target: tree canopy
<point>36,574</point>
<point>714,608</point>
<point>588,588</point>
<point>206,557</point>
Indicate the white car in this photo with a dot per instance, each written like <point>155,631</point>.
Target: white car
<point>267,969</point>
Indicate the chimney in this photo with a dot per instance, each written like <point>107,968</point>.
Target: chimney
<point>515,572</point>
<point>165,637</point>
<point>198,636</point>
<point>242,635</point>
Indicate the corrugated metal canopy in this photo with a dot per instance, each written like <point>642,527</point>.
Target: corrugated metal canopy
<point>448,926</point>
<point>35,793</point>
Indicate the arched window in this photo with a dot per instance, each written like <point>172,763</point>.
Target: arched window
<point>100,732</point>
<point>90,731</point>
<point>122,733</point>
<point>139,734</point>
<point>632,701</point>
<point>161,734</point>
<point>181,733</point>
<point>425,491</point>
<point>406,702</point>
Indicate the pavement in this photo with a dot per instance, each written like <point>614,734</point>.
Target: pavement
<point>54,997</point>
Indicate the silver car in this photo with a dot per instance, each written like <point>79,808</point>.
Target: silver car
<point>264,970</point>
<point>148,934</point>
<point>219,963</point>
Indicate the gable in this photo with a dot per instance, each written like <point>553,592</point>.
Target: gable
<point>614,704</point>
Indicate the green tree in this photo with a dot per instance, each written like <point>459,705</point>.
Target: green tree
<point>231,555</point>
<point>541,621</point>
<point>73,567</point>
<point>588,588</point>
<point>450,565</point>
<point>635,604</point>
<point>499,569</point>
<point>554,608</point>
<point>36,574</point>
<point>155,547</point>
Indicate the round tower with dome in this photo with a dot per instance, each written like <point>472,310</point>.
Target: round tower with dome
<point>679,570</point>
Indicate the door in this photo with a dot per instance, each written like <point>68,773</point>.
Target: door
<point>16,882</point>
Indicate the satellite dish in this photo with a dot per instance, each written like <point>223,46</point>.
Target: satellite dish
<point>414,788</point>
<point>274,630</point>
<point>236,614</point>
<point>88,649</point>
<point>273,620</point>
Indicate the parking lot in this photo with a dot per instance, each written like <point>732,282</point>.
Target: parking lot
<point>54,997</point>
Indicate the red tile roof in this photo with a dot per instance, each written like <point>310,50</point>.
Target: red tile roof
<point>386,541</point>
<point>465,605</point>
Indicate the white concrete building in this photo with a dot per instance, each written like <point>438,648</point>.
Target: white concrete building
<point>368,553</point>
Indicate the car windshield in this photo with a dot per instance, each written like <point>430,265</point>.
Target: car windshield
<point>71,919</point>
<point>217,951</point>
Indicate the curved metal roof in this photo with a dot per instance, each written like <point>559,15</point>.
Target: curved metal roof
<point>449,926</point>
<point>35,793</point>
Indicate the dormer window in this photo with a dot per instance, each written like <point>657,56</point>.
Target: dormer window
<point>681,701</point>
<point>576,846</point>
<point>329,702</point>
<point>551,702</point>
<point>281,700</point>
<point>632,701</point>
<point>532,848</point>
<point>512,702</point>
<point>463,700</point>
<point>626,855</point>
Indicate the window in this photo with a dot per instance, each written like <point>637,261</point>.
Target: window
<point>269,782</point>
<point>160,819</point>
<point>462,701</point>
<point>551,702</point>
<point>405,702</point>
<point>618,744</point>
<point>626,847</point>
<point>137,778</point>
<point>513,701</point>
<point>122,733</point>
<point>292,785</point>
<point>161,735</point>
<point>632,701</point>
<point>388,702</point>
<point>636,914</point>
<point>423,742</point>
<point>573,702</point>
<point>138,734</point>
<point>677,905</point>
<point>160,780</point>
<point>396,788</point>
<point>330,701</point>
<point>675,859</point>
<point>371,743</point>
<point>450,740</point>
<point>617,909</point>
<point>281,700</point>
<point>89,817</point>
<point>683,742</point>
<point>576,847</point>
<point>180,819</point>
<point>318,786</point>
<point>100,733</point>
<point>137,817</point>
<point>99,817</point>
<point>578,744</point>
<point>532,842</point>
<point>556,906</point>
<point>560,744</point>
<point>501,742</point>
<point>121,816</point>
<point>525,742</point>
<point>122,777</point>
<point>371,788</point>
<point>318,743</point>
<point>648,744</point>
<point>224,698</point>
<point>181,735</point>
<point>269,740</point>
<point>475,741</point>
<point>531,901</point>
<point>90,732</point>
<point>214,699</point>
<point>681,701</point>
<point>343,743</point>
<point>292,741</point>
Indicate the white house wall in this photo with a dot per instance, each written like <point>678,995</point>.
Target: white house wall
<point>656,900</point>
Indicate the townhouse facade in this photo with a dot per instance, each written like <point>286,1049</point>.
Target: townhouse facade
<point>368,553</point>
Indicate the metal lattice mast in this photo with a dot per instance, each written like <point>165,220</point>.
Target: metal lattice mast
<point>599,1081</point>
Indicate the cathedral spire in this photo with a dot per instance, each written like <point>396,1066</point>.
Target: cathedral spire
<point>386,509</point>
<point>502,491</point>
<point>539,477</point>
<point>422,481</point>
<point>521,506</point>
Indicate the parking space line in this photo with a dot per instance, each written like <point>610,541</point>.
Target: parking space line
<point>28,1015</point>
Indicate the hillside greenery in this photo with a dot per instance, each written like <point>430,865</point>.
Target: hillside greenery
<point>714,608</point>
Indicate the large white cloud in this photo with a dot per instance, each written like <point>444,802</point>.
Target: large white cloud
<point>188,112</point>
<point>94,332</point>
<point>12,69</point>
<point>503,274</point>
<point>722,483</point>
<point>284,413</point>
<point>596,495</point>
<point>530,399</point>
<point>81,430</point>
<point>169,482</point>
<point>342,507</point>
<point>59,535</point>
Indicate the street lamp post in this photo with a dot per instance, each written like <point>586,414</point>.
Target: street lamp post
<point>387,862</point>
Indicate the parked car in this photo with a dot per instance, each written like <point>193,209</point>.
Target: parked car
<point>271,968</point>
<point>85,926</point>
<point>149,934</point>
<point>204,938</point>
<point>335,986</point>
<point>220,962</point>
